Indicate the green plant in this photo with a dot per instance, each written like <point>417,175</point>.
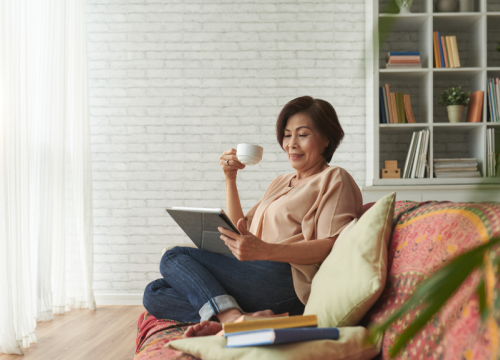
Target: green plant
<point>498,47</point>
<point>438,288</point>
<point>454,96</point>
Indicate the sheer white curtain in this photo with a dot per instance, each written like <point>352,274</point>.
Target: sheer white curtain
<point>46,238</point>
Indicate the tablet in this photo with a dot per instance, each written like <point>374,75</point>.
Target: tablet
<point>200,225</point>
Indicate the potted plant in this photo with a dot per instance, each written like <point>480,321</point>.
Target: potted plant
<point>454,99</point>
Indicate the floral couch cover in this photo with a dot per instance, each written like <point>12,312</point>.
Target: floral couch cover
<point>426,236</point>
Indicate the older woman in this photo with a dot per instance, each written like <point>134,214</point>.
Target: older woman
<point>284,237</point>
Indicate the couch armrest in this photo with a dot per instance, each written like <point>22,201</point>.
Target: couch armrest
<point>174,245</point>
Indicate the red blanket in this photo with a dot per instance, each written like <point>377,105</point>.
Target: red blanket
<point>153,334</point>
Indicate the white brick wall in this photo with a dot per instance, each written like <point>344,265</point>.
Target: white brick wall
<point>175,83</point>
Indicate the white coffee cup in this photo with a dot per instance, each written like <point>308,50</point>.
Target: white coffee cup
<point>249,154</point>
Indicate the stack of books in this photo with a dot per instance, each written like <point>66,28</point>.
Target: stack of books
<point>491,163</point>
<point>494,99</point>
<point>254,331</point>
<point>403,59</point>
<point>456,168</point>
<point>416,160</point>
<point>395,108</point>
<point>445,51</point>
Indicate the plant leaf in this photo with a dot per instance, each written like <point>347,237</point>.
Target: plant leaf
<point>483,308</point>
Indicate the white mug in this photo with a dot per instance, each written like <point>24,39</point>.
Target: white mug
<point>249,154</point>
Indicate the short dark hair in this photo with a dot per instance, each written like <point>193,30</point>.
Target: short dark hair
<point>323,116</point>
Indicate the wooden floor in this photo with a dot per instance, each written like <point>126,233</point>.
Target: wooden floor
<point>107,333</point>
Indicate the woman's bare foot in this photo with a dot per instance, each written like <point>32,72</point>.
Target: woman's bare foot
<point>206,328</point>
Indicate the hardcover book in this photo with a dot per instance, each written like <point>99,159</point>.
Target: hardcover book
<point>280,336</point>
<point>274,323</point>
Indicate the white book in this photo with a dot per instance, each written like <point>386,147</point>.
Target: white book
<point>417,157</point>
<point>409,156</point>
<point>464,174</point>
<point>423,163</point>
<point>456,160</point>
<point>454,165</point>
<point>461,169</point>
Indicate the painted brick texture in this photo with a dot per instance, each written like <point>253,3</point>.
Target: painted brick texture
<point>175,83</point>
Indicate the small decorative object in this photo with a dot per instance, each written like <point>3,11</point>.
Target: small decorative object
<point>454,99</point>
<point>466,5</point>
<point>391,170</point>
<point>404,6</point>
<point>446,5</point>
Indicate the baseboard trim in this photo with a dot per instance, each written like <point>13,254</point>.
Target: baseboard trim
<point>118,299</point>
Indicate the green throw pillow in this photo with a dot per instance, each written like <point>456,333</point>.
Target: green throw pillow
<point>353,276</point>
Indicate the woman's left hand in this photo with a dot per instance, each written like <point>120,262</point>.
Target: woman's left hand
<point>245,247</point>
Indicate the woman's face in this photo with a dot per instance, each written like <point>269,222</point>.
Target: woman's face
<point>303,143</point>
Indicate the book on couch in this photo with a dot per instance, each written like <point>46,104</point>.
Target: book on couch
<point>279,336</point>
<point>282,322</point>
<point>200,225</point>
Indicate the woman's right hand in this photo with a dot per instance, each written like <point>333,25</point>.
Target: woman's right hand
<point>230,164</point>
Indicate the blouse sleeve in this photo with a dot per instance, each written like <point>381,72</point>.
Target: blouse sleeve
<point>341,203</point>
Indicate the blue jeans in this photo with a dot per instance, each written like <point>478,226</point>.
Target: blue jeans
<point>197,285</point>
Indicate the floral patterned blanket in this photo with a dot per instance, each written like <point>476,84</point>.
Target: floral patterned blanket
<point>425,237</point>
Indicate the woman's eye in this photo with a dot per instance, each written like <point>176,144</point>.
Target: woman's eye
<point>302,135</point>
<point>288,136</point>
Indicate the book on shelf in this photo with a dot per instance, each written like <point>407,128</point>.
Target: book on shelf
<point>453,165</point>
<point>395,118</point>
<point>456,168</point>
<point>449,52</point>
<point>462,174</point>
<point>456,160</point>
<point>381,106</point>
<point>445,51</point>
<point>389,103</point>
<point>491,164</point>
<point>475,107</point>
<point>443,64</point>
<point>445,54</point>
<point>394,108</point>
<point>285,322</point>
<point>494,99</point>
<point>280,336</point>
<point>403,59</point>
<point>408,111</point>
<point>454,50</point>
<point>416,158</point>
<point>386,108</point>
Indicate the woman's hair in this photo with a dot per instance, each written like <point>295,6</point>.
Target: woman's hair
<point>323,116</point>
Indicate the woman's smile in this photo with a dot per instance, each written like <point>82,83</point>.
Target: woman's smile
<point>295,156</point>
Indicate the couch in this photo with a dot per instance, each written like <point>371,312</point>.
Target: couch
<point>425,237</point>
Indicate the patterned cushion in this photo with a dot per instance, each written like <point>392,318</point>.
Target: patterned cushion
<point>426,237</point>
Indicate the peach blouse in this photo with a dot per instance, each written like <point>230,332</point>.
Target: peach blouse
<point>317,207</point>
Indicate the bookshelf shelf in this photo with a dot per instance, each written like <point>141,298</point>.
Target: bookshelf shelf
<point>477,34</point>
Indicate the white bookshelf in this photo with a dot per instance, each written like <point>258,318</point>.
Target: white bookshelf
<point>477,33</point>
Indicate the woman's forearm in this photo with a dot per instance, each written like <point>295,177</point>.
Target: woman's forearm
<point>233,204</point>
<point>303,253</point>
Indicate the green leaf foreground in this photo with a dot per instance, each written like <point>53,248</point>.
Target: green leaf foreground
<point>434,292</point>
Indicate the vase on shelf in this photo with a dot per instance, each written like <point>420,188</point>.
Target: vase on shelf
<point>455,113</point>
<point>404,6</point>
<point>466,5</point>
<point>446,5</point>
